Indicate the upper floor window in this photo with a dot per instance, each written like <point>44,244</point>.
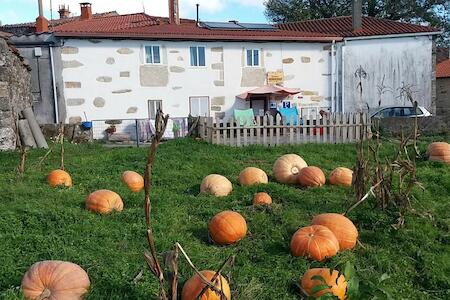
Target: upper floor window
<point>252,57</point>
<point>198,56</point>
<point>152,55</point>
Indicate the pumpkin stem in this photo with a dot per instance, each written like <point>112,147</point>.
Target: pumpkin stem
<point>294,170</point>
<point>45,295</point>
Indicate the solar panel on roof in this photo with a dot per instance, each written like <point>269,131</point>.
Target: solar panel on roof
<point>222,25</point>
<point>257,26</point>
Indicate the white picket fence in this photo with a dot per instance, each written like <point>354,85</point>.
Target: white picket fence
<point>269,131</point>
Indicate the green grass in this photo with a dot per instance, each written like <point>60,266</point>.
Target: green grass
<point>41,223</point>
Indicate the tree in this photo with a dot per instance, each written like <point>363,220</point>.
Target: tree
<point>435,12</point>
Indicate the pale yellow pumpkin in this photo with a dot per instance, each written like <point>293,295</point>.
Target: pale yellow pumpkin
<point>287,167</point>
<point>216,185</point>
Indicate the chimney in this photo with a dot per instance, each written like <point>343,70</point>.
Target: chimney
<point>357,15</point>
<point>64,12</point>
<point>86,11</point>
<point>41,21</point>
<point>174,12</point>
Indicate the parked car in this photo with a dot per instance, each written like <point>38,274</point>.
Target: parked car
<point>399,112</point>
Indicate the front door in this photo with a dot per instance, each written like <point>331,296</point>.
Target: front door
<point>259,105</point>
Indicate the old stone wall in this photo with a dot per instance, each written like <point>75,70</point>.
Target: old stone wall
<point>15,92</point>
<point>428,126</point>
<point>443,98</point>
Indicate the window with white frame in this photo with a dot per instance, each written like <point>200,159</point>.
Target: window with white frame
<point>152,54</point>
<point>153,107</point>
<point>252,57</point>
<point>198,56</point>
<point>199,106</point>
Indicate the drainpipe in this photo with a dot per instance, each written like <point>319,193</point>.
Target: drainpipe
<point>333,76</point>
<point>55,97</point>
<point>343,78</point>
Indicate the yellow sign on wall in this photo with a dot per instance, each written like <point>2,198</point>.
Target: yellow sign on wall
<point>275,77</point>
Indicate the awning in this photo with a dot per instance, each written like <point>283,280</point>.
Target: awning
<point>269,90</point>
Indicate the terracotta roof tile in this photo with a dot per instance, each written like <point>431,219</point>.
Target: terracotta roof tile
<point>342,26</point>
<point>142,26</point>
<point>443,69</point>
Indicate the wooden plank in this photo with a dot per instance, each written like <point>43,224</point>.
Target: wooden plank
<point>264,131</point>
<point>291,130</point>
<point>258,131</point>
<point>325,120</point>
<point>238,132</point>
<point>305,130</point>
<point>337,128</point>
<point>245,133</point>
<point>318,137</point>
<point>358,127</point>
<point>332,128</point>
<point>231,131</point>
<point>271,130</point>
<point>277,130</point>
<point>345,128</point>
<point>299,130</point>
<point>217,130</point>
<point>252,132</point>
<point>351,127</point>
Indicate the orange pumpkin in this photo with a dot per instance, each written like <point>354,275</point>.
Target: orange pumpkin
<point>104,202</point>
<point>216,185</point>
<point>341,176</point>
<point>194,286</point>
<point>342,227</point>
<point>55,280</point>
<point>251,176</point>
<point>287,167</point>
<point>439,151</point>
<point>227,227</point>
<point>59,177</point>
<point>311,177</point>
<point>262,199</point>
<point>337,283</point>
<point>133,180</point>
<point>316,241</point>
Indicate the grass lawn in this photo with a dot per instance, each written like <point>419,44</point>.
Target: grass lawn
<point>41,223</point>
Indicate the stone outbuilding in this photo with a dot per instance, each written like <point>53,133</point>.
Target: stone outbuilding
<point>15,91</point>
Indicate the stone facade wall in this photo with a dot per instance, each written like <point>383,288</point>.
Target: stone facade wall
<point>443,98</point>
<point>15,93</point>
<point>428,126</point>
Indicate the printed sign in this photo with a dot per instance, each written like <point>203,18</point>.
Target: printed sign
<point>275,77</point>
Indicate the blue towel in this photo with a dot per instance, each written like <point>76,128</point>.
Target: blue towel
<point>288,113</point>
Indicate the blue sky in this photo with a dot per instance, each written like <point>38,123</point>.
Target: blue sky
<point>17,11</point>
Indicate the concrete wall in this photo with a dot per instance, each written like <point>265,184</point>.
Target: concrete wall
<point>387,62</point>
<point>443,98</point>
<point>109,80</point>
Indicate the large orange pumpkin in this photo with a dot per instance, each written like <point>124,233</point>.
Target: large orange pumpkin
<point>55,280</point>
<point>59,177</point>
<point>104,202</point>
<point>227,227</point>
<point>252,175</point>
<point>262,199</point>
<point>439,151</point>
<point>193,287</point>
<point>316,241</point>
<point>216,185</point>
<point>287,167</point>
<point>311,177</point>
<point>342,227</point>
<point>337,283</point>
<point>341,176</point>
<point>133,180</point>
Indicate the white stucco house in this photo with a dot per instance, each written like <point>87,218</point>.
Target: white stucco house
<point>128,66</point>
